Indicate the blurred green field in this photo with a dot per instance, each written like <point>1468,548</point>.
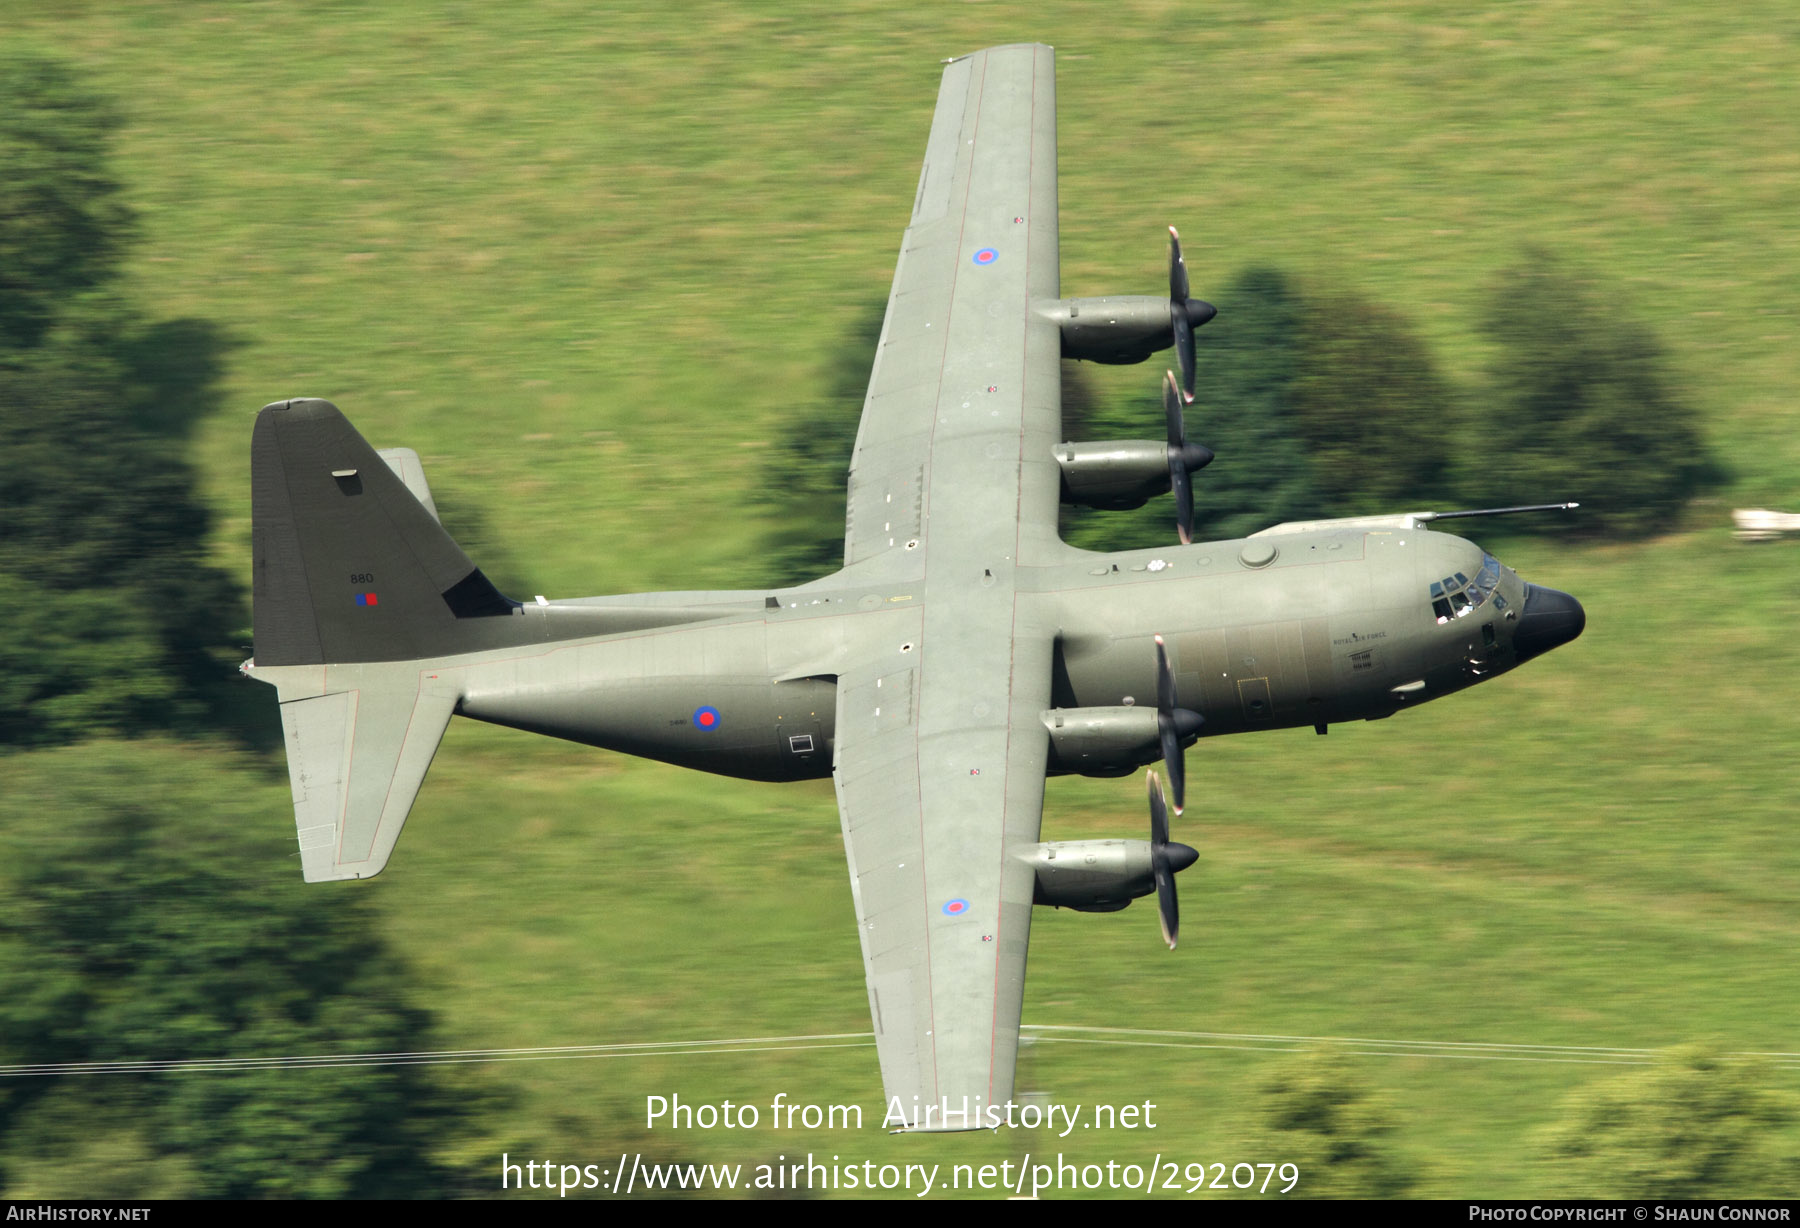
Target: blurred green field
<point>587,260</point>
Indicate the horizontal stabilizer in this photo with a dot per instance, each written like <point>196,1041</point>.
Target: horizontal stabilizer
<point>356,759</point>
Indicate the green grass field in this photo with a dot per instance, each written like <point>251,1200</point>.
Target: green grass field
<point>588,260</point>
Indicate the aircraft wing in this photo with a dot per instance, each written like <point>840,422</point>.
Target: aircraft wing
<point>939,750</point>
<point>967,380</point>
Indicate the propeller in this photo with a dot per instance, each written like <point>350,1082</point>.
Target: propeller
<point>1184,458</point>
<point>1174,726</point>
<point>1167,859</point>
<point>1186,314</point>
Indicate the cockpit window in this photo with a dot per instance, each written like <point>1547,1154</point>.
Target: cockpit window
<point>1457,595</point>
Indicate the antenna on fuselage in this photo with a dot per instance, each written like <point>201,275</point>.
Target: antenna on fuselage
<point>1496,511</point>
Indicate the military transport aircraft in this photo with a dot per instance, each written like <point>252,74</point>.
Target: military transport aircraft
<point>962,654</point>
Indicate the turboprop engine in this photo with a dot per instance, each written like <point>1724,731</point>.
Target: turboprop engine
<point>1106,875</point>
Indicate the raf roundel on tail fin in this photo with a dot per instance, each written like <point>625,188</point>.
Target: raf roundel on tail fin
<point>357,587</point>
<point>339,535</point>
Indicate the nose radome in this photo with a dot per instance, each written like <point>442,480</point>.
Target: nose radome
<point>1550,620</point>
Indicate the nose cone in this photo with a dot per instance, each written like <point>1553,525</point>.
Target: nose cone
<point>1181,856</point>
<point>1550,620</point>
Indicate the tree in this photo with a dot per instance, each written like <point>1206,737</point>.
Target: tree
<point>1581,405</point>
<point>142,923</point>
<point>118,622</point>
<point>805,483</point>
<point>1245,360</point>
<point>1317,402</point>
<point>1379,423</point>
<point>1316,1112</point>
<point>1693,1125</point>
<point>63,224</point>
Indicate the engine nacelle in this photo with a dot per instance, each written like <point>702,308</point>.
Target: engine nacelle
<point>1113,474</point>
<point>1101,741</point>
<point>1091,875</point>
<point>1122,328</point>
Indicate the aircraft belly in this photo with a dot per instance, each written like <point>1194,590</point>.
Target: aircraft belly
<point>702,697</point>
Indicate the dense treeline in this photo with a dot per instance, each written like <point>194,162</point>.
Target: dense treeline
<point>147,921</point>
<point>1695,1123</point>
<point>152,910</point>
<point>1320,402</point>
<point>117,623</point>
<point>1317,405</point>
<point>1580,398</point>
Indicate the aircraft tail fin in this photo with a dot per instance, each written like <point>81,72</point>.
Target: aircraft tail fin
<point>350,564</point>
<point>358,591</point>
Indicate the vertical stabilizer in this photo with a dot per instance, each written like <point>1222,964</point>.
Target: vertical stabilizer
<point>350,565</point>
<point>358,588</point>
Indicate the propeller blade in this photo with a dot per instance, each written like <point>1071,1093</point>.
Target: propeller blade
<point>1168,908</point>
<point>1172,757</point>
<point>1182,456</point>
<point>1185,316</point>
<point>1174,727</point>
<point>1165,679</point>
<point>1178,278</point>
<point>1173,402</point>
<point>1167,860</point>
<point>1182,482</point>
<point>1163,864</point>
<point>1184,350</point>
